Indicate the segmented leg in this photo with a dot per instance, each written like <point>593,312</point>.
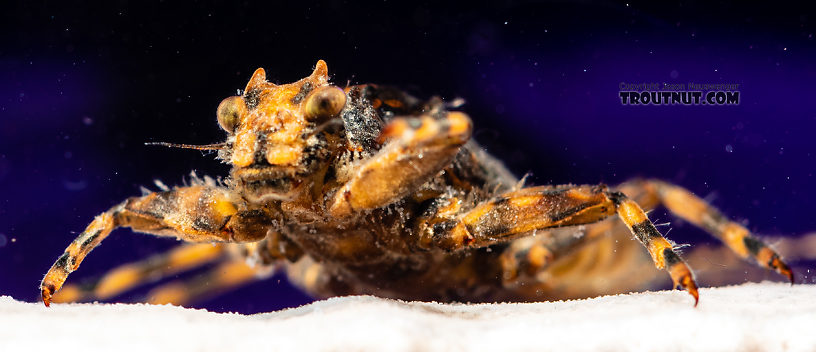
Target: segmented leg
<point>262,256</point>
<point>194,214</point>
<point>314,278</point>
<point>417,149</point>
<point>224,277</point>
<point>528,256</point>
<point>154,268</point>
<point>577,262</point>
<point>691,208</point>
<point>516,214</point>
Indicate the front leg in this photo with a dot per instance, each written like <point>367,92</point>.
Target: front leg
<point>194,214</point>
<point>417,149</point>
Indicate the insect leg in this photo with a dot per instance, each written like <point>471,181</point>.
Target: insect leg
<point>154,268</point>
<point>194,214</point>
<point>226,276</point>
<point>579,262</point>
<point>239,264</point>
<point>528,256</point>
<point>417,149</point>
<point>314,278</point>
<point>691,208</point>
<point>518,213</point>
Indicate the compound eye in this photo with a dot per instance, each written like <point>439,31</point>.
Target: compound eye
<point>324,103</point>
<point>230,112</point>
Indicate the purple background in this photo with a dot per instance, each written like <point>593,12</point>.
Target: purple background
<point>83,88</point>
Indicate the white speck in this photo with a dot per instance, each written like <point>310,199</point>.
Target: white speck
<point>729,148</point>
<point>784,49</point>
<point>505,22</point>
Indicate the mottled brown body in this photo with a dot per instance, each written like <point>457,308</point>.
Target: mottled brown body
<point>367,190</point>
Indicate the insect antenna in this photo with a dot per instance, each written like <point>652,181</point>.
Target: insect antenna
<point>333,122</point>
<point>214,146</point>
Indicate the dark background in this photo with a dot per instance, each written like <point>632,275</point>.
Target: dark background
<point>84,86</point>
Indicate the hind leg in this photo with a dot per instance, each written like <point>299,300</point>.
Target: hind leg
<point>245,264</point>
<point>237,264</point>
<point>572,263</point>
<point>226,276</point>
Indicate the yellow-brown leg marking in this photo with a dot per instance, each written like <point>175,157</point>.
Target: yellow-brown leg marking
<point>517,213</point>
<point>528,256</point>
<point>695,210</point>
<point>194,214</point>
<point>69,261</point>
<point>317,280</point>
<point>659,248</point>
<point>598,259</point>
<point>417,149</point>
<point>128,276</point>
<point>226,276</point>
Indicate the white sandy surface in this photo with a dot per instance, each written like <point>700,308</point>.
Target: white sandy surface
<point>750,317</point>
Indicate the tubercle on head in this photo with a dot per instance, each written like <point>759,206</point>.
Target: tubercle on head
<point>277,115</point>
<point>258,82</point>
